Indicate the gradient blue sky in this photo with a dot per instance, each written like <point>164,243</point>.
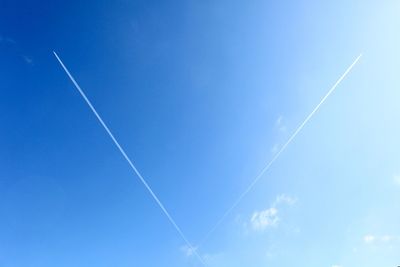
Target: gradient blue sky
<point>201,94</point>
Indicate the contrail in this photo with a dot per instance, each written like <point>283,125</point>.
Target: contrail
<point>129,161</point>
<point>257,178</point>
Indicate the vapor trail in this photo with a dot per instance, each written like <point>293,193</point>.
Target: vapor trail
<point>257,178</point>
<point>129,161</point>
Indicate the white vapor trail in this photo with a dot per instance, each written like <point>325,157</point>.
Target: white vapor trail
<point>257,178</point>
<point>172,221</point>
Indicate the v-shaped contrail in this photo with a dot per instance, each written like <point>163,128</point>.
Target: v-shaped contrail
<point>172,221</point>
<point>257,178</point>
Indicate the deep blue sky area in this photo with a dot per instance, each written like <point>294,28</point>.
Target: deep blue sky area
<point>201,95</point>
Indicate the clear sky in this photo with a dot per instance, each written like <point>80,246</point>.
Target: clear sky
<point>201,94</point>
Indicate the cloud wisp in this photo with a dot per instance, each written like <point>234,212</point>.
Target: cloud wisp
<point>188,251</point>
<point>28,60</point>
<point>261,220</point>
<point>379,239</point>
<point>284,199</point>
<point>159,203</point>
<point>6,39</point>
<point>280,125</point>
<point>277,155</point>
<point>282,129</point>
<point>12,43</point>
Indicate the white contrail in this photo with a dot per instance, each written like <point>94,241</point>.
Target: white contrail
<point>129,161</point>
<point>257,178</point>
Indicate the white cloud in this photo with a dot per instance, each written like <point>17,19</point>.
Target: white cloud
<point>335,265</point>
<point>263,219</point>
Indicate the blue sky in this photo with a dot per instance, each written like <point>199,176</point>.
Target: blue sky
<point>201,94</point>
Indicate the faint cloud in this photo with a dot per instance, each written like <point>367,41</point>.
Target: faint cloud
<point>387,238</point>
<point>396,179</point>
<point>281,127</point>
<point>279,124</point>
<point>284,199</point>
<point>368,239</point>
<point>335,265</point>
<point>263,219</point>
<point>379,239</point>
<point>5,39</point>
<point>275,149</point>
<point>9,41</point>
<point>188,251</point>
<point>279,120</point>
<point>211,259</point>
<point>28,60</point>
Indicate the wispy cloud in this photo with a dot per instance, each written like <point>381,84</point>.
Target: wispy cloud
<point>188,251</point>
<point>28,60</point>
<point>335,265</point>
<point>280,125</point>
<point>368,239</point>
<point>12,43</point>
<point>275,148</point>
<point>379,239</point>
<point>261,220</point>
<point>5,39</point>
<point>284,199</point>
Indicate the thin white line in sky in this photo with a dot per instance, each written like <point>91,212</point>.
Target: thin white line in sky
<point>129,161</point>
<point>257,178</point>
